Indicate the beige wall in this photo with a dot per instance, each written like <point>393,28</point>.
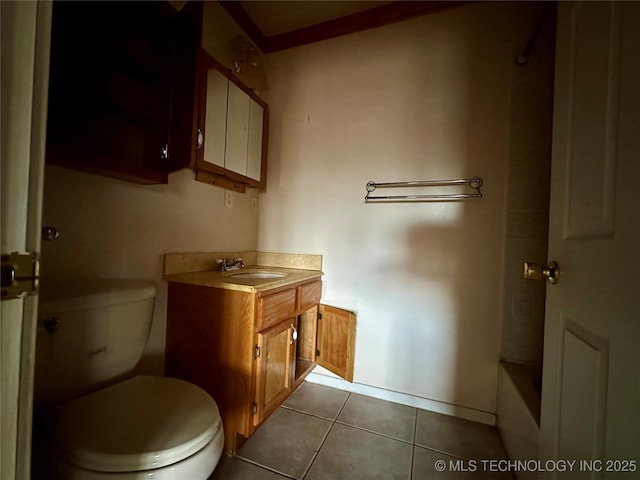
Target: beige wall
<point>219,30</point>
<point>112,229</point>
<point>424,99</point>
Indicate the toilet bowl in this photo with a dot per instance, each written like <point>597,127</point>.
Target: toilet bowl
<point>104,423</point>
<point>138,427</point>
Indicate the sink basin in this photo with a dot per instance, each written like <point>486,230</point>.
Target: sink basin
<point>258,275</point>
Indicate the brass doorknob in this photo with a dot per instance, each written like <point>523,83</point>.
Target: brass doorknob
<point>533,271</point>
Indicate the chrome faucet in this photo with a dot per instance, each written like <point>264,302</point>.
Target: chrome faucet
<point>226,264</point>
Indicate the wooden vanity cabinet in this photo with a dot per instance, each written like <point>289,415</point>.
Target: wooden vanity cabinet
<point>210,342</point>
<point>249,351</point>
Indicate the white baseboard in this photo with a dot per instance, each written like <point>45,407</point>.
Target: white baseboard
<point>404,399</point>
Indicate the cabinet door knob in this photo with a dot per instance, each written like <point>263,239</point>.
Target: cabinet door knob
<point>164,152</point>
<point>49,234</point>
<point>199,139</point>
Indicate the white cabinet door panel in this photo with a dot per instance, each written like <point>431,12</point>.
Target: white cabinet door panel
<point>254,150</point>
<point>237,130</point>
<point>215,129</point>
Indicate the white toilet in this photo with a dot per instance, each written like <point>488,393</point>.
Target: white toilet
<point>101,424</point>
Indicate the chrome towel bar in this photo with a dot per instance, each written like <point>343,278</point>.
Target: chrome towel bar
<point>474,183</point>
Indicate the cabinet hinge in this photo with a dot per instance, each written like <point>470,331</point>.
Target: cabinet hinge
<point>257,351</point>
<point>254,408</point>
<point>20,275</point>
<point>317,352</point>
<point>319,316</point>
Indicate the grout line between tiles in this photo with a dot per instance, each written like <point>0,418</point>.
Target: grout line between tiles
<point>413,449</point>
<point>264,467</point>
<point>344,404</point>
<point>315,455</point>
<point>442,452</point>
<point>309,413</point>
<point>408,442</point>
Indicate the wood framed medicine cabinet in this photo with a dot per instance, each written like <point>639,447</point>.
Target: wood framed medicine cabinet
<point>232,131</point>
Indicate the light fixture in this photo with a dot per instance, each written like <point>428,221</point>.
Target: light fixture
<point>245,54</point>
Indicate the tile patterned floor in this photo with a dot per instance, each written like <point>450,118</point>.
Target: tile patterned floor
<point>321,433</point>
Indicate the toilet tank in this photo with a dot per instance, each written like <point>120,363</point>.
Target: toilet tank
<point>90,334</point>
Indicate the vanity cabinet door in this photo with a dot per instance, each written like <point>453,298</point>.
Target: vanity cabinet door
<point>273,383</point>
<point>336,341</point>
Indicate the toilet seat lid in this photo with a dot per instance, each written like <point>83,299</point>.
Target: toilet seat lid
<point>138,424</point>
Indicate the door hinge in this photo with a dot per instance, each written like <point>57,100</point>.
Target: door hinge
<point>20,275</point>
<point>254,408</point>
<point>257,351</point>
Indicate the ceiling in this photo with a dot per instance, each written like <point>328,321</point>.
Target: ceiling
<point>275,17</point>
<point>275,25</point>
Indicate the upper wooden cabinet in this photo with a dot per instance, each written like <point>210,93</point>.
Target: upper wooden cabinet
<point>132,95</point>
<point>118,93</point>
<point>232,130</point>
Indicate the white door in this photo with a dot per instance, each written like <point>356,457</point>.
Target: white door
<point>25,72</point>
<point>591,371</point>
